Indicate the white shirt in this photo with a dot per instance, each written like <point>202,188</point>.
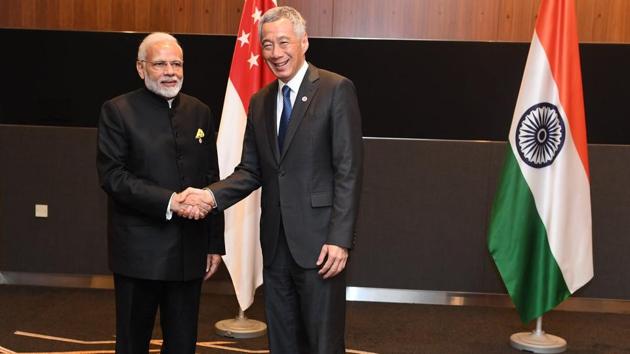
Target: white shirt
<point>294,85</point>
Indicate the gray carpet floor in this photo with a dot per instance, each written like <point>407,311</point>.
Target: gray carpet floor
<point>62,320</point>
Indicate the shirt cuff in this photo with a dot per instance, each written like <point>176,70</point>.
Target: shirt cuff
<point>169,212</point>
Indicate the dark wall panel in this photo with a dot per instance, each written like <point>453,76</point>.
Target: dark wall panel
<point>62,78</point>
<point>411,89</point>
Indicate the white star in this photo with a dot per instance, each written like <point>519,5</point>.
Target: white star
<point>257,15</point>
<point>244,38</point>
<point>253,60</point>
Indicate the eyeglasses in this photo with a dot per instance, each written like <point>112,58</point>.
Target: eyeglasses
<point>163,65</point>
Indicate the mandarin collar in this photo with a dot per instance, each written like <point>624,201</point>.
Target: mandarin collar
<point>161,100</point>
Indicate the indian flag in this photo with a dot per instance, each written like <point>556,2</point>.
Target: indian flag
<point>540,227</point>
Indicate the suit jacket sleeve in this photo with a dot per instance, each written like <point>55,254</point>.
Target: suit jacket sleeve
<point>216,221</point>
<point>119,183</point>
<point>347,161</point>
<point>246,177</point>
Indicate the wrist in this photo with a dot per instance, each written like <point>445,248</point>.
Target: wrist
<point>213,202</point>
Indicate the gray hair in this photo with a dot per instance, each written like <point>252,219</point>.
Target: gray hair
<point>153,38</point>
<point>277,13</point>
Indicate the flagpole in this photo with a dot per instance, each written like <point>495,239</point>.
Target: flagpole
<point>537,341</point>
<point>240,327</point>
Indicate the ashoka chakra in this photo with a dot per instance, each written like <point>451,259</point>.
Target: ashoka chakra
<point>540,135</point>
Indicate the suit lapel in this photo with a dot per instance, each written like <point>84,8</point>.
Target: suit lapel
<point>271,119</point>
<point>304,97</point>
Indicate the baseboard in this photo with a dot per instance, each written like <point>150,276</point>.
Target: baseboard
<point>353,293</point>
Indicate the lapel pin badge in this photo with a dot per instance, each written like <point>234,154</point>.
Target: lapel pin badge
<point>200,135</point>
<point>304,98</point>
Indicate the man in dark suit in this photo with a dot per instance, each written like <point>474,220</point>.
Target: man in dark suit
<point>303,145</point>
<point>153,142</point>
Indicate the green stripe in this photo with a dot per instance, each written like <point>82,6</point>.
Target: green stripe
<point>517,241</point>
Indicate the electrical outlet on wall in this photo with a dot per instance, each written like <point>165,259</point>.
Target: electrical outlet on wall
<point>41,210</point>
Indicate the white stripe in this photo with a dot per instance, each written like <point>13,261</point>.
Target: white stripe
<point>243,256</point>
<point>561,191</point>
<point>231,130</point>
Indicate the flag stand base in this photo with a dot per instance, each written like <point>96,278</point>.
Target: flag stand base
<point>240,327</point>
<point>537,341</point>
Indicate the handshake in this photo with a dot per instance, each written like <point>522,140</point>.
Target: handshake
<point>193,203</point>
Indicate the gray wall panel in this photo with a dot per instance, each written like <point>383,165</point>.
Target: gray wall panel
<point>610,194</point>
<point>426,207</point>
<point>424,215</point>
<point>422,225</point>
<point>54,166</point>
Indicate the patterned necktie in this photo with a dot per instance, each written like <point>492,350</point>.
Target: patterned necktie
<point>285,115</point>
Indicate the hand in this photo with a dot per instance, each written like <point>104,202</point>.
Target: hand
<point>190,209</point>
<point>194,203</point>
<point>336,258</point>
<point>212,264</point>
<point>177,204</point>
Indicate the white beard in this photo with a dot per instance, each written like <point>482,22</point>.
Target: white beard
<point>166,92</point>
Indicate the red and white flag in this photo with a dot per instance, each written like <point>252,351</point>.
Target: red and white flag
<point>248,74</point>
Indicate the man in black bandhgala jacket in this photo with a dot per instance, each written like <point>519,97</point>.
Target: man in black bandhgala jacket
<point>152,143</point>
